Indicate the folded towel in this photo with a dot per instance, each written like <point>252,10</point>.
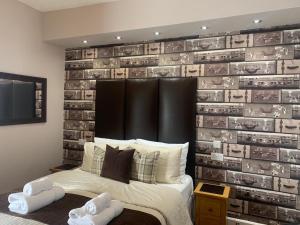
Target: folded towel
<point>102,218</point>
<point>23,204</point>
<point>98,204</point>
<point>37,186</point>
<point>77,213</point>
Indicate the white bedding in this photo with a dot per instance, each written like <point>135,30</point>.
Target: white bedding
<point>186,188</point>
<point>165,203</point>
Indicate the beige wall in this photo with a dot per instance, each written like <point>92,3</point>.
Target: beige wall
<point>140,14</point>
<point>28,151</point>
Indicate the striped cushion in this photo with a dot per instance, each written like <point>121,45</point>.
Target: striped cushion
<point>98,159</point>
<point>144,167</point>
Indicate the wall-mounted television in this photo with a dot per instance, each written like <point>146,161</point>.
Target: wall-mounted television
<point>22,99</point>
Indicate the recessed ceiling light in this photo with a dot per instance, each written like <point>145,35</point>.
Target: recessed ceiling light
<point>257,21</point>
<point>156,33</point>
<point>118,37</point>
<point>84,41</point>
<point>204,27</point>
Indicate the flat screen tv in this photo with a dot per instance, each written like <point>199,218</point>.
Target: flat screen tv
<point>22,99</point>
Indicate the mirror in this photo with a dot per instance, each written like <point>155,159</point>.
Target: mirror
<point>22,99</point>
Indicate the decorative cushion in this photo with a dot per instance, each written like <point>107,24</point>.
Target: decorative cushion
<point>98,158</point>
<point>88,156</point>
<point>144,167</point>
<point>102,142</point>
<point>168,163</point>
<point>117,164</point>
<point>184,151</point>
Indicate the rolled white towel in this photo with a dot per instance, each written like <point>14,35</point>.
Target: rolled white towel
<point>59,192</point>
<point>98,204</point>
<point>77,213</point>
<point>73,221</point>
<point>37,186</point>
<point>103,218</point>
<point>23,204</point>
<point>117,206</point>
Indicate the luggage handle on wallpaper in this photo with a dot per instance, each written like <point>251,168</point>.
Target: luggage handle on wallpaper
<point>68,96</point>
<point>204,46</point>
<point>163,74</point>
<point>250,126</point>
<point>106,62</point>
<point>236,151</point>
<point>153,49</point>
<point>237,96</point>
<point>290,127</point>
<point>203,149</point>
<point>288,186</point>
<point>216,135</point>
<point>234,205</point>
<point>175,59</point>
<point>203,98</point>
<point>89,53</point>
<point>217,83</point>
<point>251,70</point>
<point>269,167</point>
<point>292,67</point>
<point>128,51</point>
<point>248,182</point>
<point>96,75</point>
<point>239,41</point>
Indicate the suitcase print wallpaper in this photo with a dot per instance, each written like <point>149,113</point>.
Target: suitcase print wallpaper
<point>248,98</point>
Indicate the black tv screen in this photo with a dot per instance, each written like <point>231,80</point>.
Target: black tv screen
<point>22,99</point>
<point>17,100</point>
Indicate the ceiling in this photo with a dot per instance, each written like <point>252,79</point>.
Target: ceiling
<point>51,5</point>
<point>229,24</point>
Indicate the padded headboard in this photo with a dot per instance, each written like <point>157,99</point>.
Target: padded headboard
<point>162,109</point>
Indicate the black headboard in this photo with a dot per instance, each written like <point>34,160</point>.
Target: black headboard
<point>162,109</point>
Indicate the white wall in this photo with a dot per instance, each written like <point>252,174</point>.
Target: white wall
<point>140,14</point>
<point>28,151</point>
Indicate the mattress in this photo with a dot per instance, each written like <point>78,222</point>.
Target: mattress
<point>186,188</point>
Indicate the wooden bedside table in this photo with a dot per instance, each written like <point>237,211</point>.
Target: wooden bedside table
<point>211,204</point>
<point>62,167</point>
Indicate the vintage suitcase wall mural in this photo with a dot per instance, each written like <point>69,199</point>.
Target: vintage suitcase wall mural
<point>248,98</point>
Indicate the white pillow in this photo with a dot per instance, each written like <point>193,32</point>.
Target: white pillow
<point>184,151</point>
<point>88,156</point>
<point>102,142</point>
<point>168,163</point>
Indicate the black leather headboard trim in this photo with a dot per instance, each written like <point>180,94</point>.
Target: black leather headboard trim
<point>162,109</point>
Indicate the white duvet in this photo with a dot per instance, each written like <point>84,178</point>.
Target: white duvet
<point>165,203</point>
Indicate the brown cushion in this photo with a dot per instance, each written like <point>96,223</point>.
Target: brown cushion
<point>117,164</point>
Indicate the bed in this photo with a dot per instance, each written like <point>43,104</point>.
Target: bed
<point>131,109</point>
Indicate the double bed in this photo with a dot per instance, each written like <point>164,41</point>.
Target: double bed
<point>130,109</point>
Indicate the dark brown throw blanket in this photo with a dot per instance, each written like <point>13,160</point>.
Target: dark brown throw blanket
<point>57,212</point>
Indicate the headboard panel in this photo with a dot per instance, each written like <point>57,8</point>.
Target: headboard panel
<point>162,109</point>
<point>177,114</point>
<point>110,109</point>
<point>141,114</point>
